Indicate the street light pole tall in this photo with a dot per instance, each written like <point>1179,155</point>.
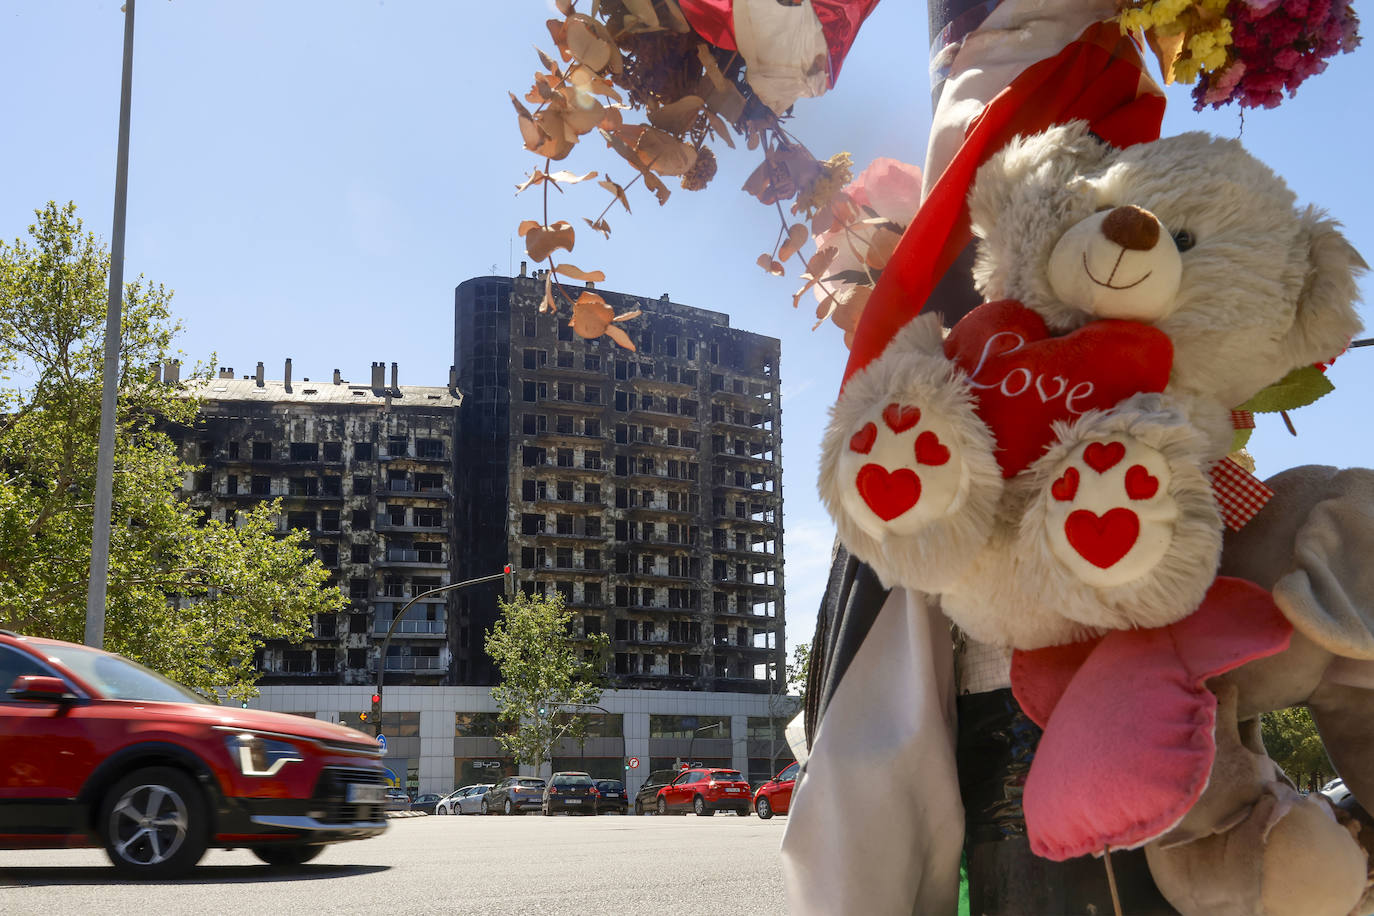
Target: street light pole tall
<point>690,744</point>
<point>381,662</point>
<point>104,462</point>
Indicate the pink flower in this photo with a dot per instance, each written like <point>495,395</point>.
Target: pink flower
<point>887,189</point>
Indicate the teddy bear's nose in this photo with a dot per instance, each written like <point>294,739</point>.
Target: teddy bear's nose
<point>1132,228</point>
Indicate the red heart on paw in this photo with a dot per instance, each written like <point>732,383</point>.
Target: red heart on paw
<point>1066,487</point>
<point>1104,539</point>
<point>888,494</point>
<point>862,441</point>
<point>1026,380</point>
<point>1140,483</point>
<point>1102,456</point>
<point>900,418</point>
<point>929,449</point>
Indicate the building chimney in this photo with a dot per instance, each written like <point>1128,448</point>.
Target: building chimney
<point>156,369</point>
<point>522,268</point>
<point>226,371</point>
<point>257,376</point>
<point>453,377</point>
<point>171,371</point>
<point>286,375</point>
<point>378,376</point>
<point>338,377</point>
<point>394,385</point>
<point>591,284</point>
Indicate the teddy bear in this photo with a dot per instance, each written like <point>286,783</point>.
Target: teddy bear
<point>1055,471</point>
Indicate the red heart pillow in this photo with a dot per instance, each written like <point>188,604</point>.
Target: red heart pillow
<point>1026,380</point>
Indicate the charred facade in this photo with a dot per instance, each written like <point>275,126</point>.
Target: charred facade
<point>368,471</point>
<point>644,486</point>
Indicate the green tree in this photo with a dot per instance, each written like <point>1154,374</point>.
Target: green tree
<point>1290,736</point>
<point>798,670</point>
<point>546,674</point>
<point>188,597</point>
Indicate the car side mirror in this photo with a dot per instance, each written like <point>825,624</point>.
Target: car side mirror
<point>40,688</point>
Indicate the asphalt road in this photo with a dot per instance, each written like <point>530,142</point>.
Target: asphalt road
<point>495,866</point>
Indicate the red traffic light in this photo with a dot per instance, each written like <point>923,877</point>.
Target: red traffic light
<point>507,569</point>
<point>376,698</point>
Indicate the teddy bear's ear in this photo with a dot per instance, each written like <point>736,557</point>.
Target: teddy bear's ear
<point>1052,157</point>
<point>1325,320</point>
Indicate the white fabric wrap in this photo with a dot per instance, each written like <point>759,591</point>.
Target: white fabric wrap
<point>876,825</point>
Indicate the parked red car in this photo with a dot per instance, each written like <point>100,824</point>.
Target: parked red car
<point>775,795</point>
<point>704,792</point>
<point>96,750</point>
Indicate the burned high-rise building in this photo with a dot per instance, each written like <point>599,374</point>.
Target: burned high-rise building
<point>642,485</point>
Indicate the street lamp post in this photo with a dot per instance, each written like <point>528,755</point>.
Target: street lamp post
<point>690,761</point>
<point>381,662</point>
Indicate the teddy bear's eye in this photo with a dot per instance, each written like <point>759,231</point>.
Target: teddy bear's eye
<point>1183,240</point>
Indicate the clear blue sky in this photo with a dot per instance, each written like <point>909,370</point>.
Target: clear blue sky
<point>314,178</point>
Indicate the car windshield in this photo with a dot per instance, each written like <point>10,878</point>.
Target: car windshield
<point>530,783</point>
<point>117,678</point>
<point>726,776</point>
<point>608,785</point>
<point>580,780</point>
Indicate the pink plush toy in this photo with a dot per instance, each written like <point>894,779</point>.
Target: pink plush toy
<point>1055,471</point>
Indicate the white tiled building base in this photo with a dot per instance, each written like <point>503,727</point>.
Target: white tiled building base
<point>438,706</point>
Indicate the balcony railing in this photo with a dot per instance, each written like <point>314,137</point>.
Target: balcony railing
<point>414,627</point>
<point>413,663</point>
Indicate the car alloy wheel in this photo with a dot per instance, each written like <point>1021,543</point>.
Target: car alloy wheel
<point>287,855</point>
<point>662,805</point>
<point>154,823</point>
<point>700,809</point>
<point>441,810</point>
<point>765,810</point>
<point>508,808</point>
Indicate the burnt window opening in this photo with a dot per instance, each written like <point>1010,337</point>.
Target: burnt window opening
<point>329,556</point>
<point>329,520</point>
<point>305,520</point>
<point>362,486</point>
<point>262,451</point>
<point>305,451</point>
<point>231,484</point>
<point>565,331</point>
<point>397,446</point>
<point>362,451</point>
<point>333,451</point>
<point>362,519</point>
<point>591,526</point>
<point>429,448</point>
<point>261,485</point>
<point>234,449</point>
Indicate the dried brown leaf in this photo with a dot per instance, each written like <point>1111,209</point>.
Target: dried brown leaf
<point>566,177</point>
<point>547,305</point>
<point>664,153</point>
<point>797,235</point>
<point>527,225</point>
<point>719,129</point>
<point>616,190</point>
<point>590,44</point>
<point>643,10</point>
<point>599,225</point>
<point>558,31</point>
<point>620,337</point>
<point>677,22</point>
<point>537,178</point>
<point>678,117</point>
<point>564,6</point>
<point>549,63</point>
<point>880,249</point>
<point>591,315</point>
<point>766,261</point>
<point>633,313</point>
<point>824,309</point>
<point>577,273</point>
<point>543,241</point>
<point>659,189</point>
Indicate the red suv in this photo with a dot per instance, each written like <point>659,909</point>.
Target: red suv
<point>705,791</point>
<point>775,795</point>
<point>97,750</point>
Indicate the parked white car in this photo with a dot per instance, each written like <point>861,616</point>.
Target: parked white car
<point>467,800</point>
<point>1336,791</point>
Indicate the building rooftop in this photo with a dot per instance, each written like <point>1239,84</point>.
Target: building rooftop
<point>303,391</point>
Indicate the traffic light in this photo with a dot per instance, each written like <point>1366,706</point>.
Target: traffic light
<point>377,708</point>
<point>510,581</point>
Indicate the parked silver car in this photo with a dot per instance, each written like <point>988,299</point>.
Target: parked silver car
<point>467,800</point>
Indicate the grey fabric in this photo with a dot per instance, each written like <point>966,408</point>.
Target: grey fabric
<point>1312,545</point>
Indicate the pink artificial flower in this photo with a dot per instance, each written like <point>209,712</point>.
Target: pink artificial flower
<point>888,188</point>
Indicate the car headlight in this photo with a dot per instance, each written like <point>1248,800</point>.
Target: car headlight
<point>258,756</point>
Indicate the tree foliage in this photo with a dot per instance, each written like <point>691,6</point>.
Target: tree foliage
<point>1290,737</point>
<point>544,675</point>
<point>798,670</point>
<point>188,597</point>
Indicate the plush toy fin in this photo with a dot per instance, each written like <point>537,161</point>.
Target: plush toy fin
<point>1128,746</point>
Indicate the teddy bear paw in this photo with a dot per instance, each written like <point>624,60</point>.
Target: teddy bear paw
<point>907,467</point>
<point>1108,513</point>
<point>1121,521</point>
<point>905,470</point>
